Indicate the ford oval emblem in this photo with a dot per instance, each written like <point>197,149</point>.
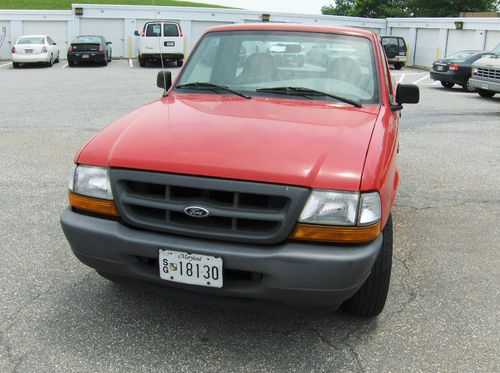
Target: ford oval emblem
<point>196,212</point>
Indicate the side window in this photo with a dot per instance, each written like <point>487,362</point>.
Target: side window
<point>402,43</point>
<point>170,29</point>
<point>388,83</point>
<point>49,40</point>
<point>153,30</point>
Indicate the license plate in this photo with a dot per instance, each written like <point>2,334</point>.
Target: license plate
<point>192,269</point>
<point>484,86</point>
<point>440,68</point>
<point>85,56</point>
<point>28,51</point>
<point>170,44</point>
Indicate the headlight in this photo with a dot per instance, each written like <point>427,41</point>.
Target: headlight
<point>369,209</point>
<point>342,217</point>
<point>474,70</point>
<point>330,208</point>
<point>341,208</point>
<point>91,181</point>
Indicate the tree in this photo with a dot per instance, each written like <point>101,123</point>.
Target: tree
<point>341,8</point>
<point>412,8</point>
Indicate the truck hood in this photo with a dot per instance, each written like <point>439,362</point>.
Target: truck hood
<point>488,61</point>
<point>295,142</point>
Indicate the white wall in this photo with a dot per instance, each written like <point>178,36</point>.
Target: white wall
<point>477,33</point>
<point>118,23</point>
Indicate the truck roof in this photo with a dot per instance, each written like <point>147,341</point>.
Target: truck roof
<point>294,27</point>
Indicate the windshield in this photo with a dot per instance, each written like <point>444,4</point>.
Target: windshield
<point>497,50</point>
<point>31,40</point>
<point>460,56</point>
<point>247,61</point>
<point>88,39</point>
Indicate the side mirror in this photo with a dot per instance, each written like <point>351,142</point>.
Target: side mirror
<point>164,80</point>
<point>136,33</point>
<point>406,94</point>
<point>54,44</point>
<point>108,43</point>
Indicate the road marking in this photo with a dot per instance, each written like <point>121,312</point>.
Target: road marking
<point>65,66</point>
<point>130,63</point>
<point>7,64</point>
<point>419,80</point>
<point>401,78</point>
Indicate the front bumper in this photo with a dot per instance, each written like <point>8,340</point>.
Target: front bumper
<point>292,273</point>
<point>485,84</point>
<point>30,58</point>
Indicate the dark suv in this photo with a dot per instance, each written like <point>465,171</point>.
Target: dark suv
<point>395,50</point>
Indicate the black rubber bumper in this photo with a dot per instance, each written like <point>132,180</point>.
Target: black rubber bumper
<point>292,273</point>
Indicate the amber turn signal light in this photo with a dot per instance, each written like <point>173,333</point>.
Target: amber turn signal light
<point>96,205</point>
<point>326,233</point>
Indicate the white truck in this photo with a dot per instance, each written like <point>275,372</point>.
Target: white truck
<point>160,40</point>
<point>486,74</point>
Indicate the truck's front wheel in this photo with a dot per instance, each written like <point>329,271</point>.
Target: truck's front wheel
<point>485,93</point>
<point>370,299</point>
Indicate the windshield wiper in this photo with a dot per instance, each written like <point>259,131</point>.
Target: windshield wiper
<point>302,91</point>
<point>213,87</point>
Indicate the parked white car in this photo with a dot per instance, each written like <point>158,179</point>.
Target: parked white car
<point>160,39</point>
<point>34,49</point>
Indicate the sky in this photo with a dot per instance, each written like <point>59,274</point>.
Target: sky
<point>284,6</point>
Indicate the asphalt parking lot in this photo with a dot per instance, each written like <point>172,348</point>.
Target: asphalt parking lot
<point>58,315</point>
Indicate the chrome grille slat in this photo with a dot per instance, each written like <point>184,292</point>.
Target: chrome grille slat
<point>239,211</point>
<point>489,73</point>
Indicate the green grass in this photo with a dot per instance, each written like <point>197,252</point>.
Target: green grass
<point>66,4</point>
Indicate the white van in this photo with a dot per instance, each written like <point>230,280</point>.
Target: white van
<point>160,38</point>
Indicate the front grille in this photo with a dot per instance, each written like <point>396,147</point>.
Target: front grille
<point>238,210</point>
<point>489,73</point>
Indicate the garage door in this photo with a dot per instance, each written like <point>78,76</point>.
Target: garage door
<point>401,31</point>
<point>427,45</point>
<point>460,40</point>
<point>111,29</point>
<point>57,30</point>
<point>199,27</point>
<point>4,40</point>
<point>492,40</point>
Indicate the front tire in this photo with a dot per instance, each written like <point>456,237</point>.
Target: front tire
<point>15,65</point>
<point>370,299</point>
<point>466,87</point>
<point>447,85</point>
<point>485,93</point>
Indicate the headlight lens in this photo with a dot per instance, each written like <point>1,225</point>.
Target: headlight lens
<point>474,70</point>
<point>91,181</point>
<point>369,211</point>
<point>330,207</point>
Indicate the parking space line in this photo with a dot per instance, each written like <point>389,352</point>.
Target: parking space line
<point>7,64</point>
<point>65,66</point>
<point>401,78</point>
<point>419,80</point>
<point>131,64</point>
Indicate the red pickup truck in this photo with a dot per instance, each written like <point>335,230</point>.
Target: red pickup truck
<point>250,182</point>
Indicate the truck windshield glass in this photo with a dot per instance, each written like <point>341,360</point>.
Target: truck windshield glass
<point>247,61</point>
